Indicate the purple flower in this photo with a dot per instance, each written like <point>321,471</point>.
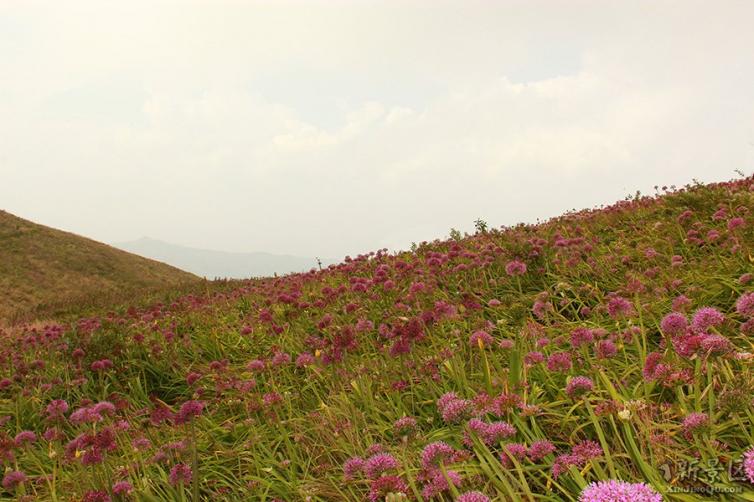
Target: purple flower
<point>188,411</point>
<point>57,408</point>
<point>405,425</point>
<point>694,422</point>
<point>745,305</point>
<point>491,433</point>
<point>606,349</point>
<point>587,450</point>
<point>122,488</point>
<point>384,485</point>
<point>451,407</point>
<point>180,473</point>
<point>619,307</point>
<point>12,479</point>
<point>735,223</point>
<point>534,357</point>
<point>96,496</point>
<point>706,317</point>
<point>104,408</point>
<point>352,467</point>
<point>716,344</point>
<point>515,267</point>
<point>559,361</point>
<point>581,336</point>
<point>540,449</point>
<point>304,359</point>
<point>579,385</point>
<point>280,358</point>
<point>24,437</point>
<point>438,483</point>
<point>749,464</point>
<point>516,450</point>
<point>619,491</point>
<point>255,365</point>
<point>651,364</point>
<point>480,339</point>
<point>473,497</point>
<point>436,453</point>
<point>674,324</point>
<point>379,463</point>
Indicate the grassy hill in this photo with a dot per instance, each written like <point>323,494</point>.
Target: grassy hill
<point>607,346</point>
<point>42,269</point>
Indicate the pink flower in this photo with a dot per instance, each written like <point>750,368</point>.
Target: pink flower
<point>481,339</point>
<point>619,491</point>
<point>579,385</point>
<point>749,464</point>
<point>516,450</point>
<point>122,488</point>
<point>405,425</point>
<point>180,473</point>
<point>96,496</point>
<point>745,305</point>
<point>255,365</point>
<point>452,408</point>
<point>619,307</point>
<point>651,364</point>
<point>438,484</point>
<point>681,303</point>
<point>304,359</point>
<point>540,449</point>
<point>379,463</point>
<point>559,361</point>
<point>706,317</point>
<point>491,433</point>
<point>473,497</point>
<point>188,411</point>
<point>57,408</point>
<point>12,479</point>
<point>581,336</point>
<point>534,357</point>
<point>24,437</point>
<point>694,422</point>
<point>674,324</point>
<point>436,453</point>
<point>515,267</point>
<point>280,358</point>
<point>735,223</point>
<point>352,467</point>
<point>606,349</point>
<point>384,485</point>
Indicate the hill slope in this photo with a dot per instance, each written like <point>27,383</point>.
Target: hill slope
<point>41,265</point>
<point>516,364</point>
<point>212,264</point>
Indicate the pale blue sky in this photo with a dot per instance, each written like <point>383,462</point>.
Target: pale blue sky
<point>328,128</point>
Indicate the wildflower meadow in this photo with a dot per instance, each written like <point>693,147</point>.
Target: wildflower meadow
<point>603,355</point>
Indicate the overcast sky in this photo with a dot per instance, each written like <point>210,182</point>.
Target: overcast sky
<point>334,128</point>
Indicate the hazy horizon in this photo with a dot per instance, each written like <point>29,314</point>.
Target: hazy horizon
<point>336,128</point>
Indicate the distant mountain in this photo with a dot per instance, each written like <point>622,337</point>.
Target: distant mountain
<point>41,266</point>
<point>219,264</point>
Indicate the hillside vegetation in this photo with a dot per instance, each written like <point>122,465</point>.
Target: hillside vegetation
<point>602,355</point>
<point>43,270</point>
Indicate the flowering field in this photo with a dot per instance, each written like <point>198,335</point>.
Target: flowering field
<point>602,355</point>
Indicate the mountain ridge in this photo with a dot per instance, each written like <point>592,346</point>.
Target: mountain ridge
<point>212,263</point>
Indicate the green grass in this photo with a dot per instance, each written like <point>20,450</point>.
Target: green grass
<point>284,432</point>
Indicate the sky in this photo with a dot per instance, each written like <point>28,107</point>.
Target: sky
<point>335,128</point>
